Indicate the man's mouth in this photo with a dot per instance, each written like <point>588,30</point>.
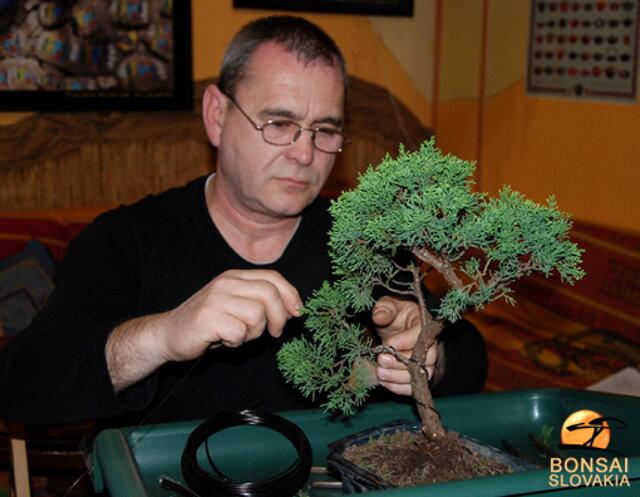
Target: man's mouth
<point>294,182</point>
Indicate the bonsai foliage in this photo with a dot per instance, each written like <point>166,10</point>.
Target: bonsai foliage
<point>408,219</point>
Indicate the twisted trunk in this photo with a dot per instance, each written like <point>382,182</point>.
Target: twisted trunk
<point>429,417</point>
<point>429,329</point>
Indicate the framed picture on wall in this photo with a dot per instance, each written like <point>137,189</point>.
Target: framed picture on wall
<point>584,50</point>
<point>368,7</point>
<point>92,55</point>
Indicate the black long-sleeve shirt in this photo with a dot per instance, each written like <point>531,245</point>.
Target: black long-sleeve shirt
<point>149,258</point>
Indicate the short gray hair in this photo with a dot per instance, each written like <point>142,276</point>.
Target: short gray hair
<point>295,34</point>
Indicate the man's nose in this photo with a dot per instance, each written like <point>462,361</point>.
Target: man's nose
<point>302,149</point>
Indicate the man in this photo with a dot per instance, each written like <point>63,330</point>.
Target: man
<point>174,307</point>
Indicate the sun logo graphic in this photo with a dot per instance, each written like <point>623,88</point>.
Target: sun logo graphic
<point>588,429</point>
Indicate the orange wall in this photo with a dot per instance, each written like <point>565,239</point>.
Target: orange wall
<point>367,43</point>
<point>457,103</point>
<point>586,153</point>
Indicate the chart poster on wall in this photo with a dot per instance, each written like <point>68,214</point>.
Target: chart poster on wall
<point>95,55</point>
<point>584,50</point>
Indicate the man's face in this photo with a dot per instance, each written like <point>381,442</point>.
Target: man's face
<point>265,179</point>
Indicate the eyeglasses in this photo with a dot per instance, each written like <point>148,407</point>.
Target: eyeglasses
<point>284,132</point>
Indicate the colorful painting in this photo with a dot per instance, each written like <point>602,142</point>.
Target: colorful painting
<point>95,54</point>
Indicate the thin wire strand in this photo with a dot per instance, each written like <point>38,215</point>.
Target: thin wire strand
<point>139,424</point>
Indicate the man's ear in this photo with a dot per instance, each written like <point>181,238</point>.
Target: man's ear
<point>214,110</point>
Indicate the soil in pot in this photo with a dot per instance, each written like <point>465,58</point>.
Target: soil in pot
<point>405,458</point>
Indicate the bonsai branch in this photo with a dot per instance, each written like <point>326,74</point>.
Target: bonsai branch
<point>407,361</point>
<point>392,289</point>
<point>441,264</point>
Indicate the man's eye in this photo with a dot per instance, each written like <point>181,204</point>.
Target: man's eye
<point>282,125</point>
<point>327,131</point>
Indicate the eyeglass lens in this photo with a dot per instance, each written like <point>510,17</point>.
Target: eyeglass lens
<point>287,132</point>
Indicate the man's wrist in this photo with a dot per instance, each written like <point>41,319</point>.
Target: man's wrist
<point>133,350</point>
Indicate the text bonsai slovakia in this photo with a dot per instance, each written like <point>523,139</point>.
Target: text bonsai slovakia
<point>589,472</point>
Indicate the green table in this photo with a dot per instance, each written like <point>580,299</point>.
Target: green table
<point>129,461</point>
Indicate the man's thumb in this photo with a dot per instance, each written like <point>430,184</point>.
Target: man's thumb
<point>383,313</point>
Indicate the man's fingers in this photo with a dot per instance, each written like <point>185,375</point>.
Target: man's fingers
<point>259,308</point>
<point>393,318</point>
<point>382,316</point>
<point>397,376</point>
<point>394,375</point>
<point>412,318</point>
<point>405,340</point>
<point>432,355</point>
<point>278,299</point>
<point>287,292</point>
<point>234,334</point>
<point>384,312</point>
<point>387,360</point>
<point>397,388</point>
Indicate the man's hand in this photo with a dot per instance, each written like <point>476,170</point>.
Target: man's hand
<point>235,307</point>
<point>398,324</point>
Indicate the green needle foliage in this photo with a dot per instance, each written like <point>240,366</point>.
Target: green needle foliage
<point>420,204</point>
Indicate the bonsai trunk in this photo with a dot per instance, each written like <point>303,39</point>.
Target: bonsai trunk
<point>429,417</point>
<point>429,329</point>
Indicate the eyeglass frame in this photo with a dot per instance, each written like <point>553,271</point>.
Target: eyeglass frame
<point>313,131</point>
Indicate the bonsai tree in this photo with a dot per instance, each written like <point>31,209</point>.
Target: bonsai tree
<point>409,219</point>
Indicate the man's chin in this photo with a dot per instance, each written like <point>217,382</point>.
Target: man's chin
<point>289,205</point>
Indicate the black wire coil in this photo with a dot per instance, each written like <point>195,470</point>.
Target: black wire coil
<point>284,484</point>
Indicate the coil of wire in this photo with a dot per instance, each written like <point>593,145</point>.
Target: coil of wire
<point>284,484</point>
